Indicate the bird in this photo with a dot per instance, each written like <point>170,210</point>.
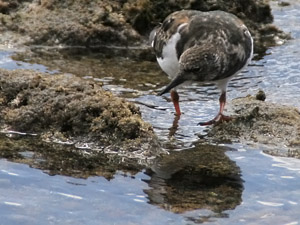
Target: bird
<point>203,47</point>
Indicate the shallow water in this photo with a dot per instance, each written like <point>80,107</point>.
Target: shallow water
<point>262,189</point>
<point>29,196</point>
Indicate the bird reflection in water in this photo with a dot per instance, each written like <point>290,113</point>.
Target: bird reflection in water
<point>202,177</point>
<point>174,127</point>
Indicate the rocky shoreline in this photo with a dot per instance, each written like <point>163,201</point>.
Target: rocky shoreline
<point>273,127</point>
<point>102,23</point>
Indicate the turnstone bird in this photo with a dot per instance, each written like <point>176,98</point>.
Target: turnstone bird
<point>206,47</point>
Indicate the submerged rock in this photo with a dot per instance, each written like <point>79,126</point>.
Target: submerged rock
<point>69,108</point>
<point>274,126</point>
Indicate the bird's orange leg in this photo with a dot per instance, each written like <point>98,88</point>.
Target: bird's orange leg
<point>220,117</point>
<point>175,100</point>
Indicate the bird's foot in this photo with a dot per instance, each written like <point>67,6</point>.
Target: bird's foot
<point>218,119</point>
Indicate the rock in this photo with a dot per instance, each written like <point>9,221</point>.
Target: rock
<point>66,107</point>
<point>273,126</point>
<point>261,95</point>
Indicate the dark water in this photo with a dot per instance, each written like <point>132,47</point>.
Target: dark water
<point>255,189</point>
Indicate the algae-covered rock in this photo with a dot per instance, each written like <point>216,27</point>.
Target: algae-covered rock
<point>70,108</point>
<point>273,125</point>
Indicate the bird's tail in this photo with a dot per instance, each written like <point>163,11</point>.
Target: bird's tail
<point>175,82</point>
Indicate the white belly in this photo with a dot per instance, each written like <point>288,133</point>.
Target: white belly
<point>169,62</point>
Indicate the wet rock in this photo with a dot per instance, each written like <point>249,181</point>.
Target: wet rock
<point>202,177</point>
<point>121,23</point>
<point>69,108</point>
<point>261,95</point>
<point>274,126</point>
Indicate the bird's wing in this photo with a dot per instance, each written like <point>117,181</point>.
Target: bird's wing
<point>202,63</point>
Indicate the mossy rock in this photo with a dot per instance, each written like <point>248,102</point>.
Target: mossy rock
<point>68,107</point>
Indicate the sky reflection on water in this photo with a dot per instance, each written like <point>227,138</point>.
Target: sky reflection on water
<point>29,196</point>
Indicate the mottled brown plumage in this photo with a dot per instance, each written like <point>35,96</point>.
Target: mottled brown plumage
<point>202,46</point>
